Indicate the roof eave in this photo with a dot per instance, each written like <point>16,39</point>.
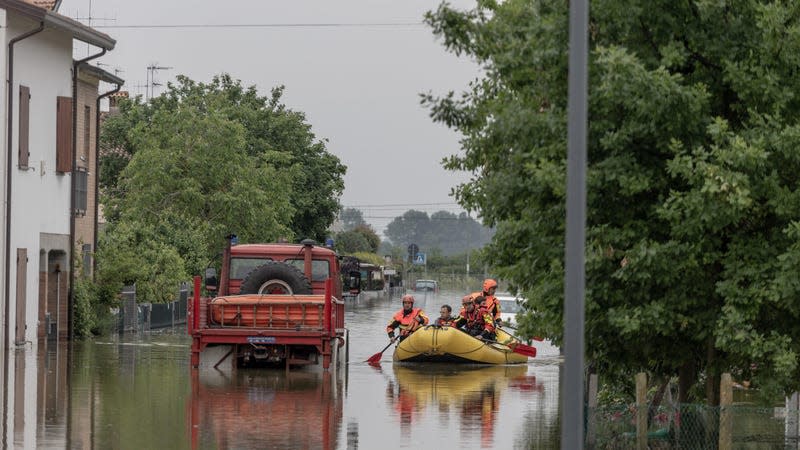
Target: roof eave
<point>101,74</point>
<point>79,31</point>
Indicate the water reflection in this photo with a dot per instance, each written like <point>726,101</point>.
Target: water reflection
<point>264,409</point>
<point>138,391</point>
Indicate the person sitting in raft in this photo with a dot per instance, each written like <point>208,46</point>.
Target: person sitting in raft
<point>475,320</point>
<point>445,318</point>
<point>407,319</point>
<point>490,302</point>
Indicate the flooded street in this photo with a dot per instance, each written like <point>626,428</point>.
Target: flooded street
<point>137,391</point>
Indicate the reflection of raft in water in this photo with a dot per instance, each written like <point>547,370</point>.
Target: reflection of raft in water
<point>446,344</point>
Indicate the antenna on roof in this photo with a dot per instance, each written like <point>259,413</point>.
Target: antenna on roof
<point>151,73</point>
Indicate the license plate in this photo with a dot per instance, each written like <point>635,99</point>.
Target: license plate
<point>261,339</point>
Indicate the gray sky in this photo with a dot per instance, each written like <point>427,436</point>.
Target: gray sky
<point>358,86</point>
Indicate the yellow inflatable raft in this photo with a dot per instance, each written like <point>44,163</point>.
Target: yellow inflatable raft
<point>446,344</point>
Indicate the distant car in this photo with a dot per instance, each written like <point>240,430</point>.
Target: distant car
<point>509,307</point>
<point>426,286</point>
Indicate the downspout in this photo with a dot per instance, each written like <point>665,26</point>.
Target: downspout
<point>9,161</point>
<point>70,296</point>
<point>97,171</point>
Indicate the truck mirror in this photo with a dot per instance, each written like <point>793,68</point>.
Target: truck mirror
<point>211,279</point>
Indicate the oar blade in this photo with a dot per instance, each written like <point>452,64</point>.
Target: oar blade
<point>375,359</point>
<point>523,349</point>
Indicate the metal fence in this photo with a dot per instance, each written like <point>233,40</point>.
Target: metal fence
<point>140,317</point>
<point>694,427</point>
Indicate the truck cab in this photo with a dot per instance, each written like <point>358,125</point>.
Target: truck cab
<point>246,258</point>
<point>273,303</point>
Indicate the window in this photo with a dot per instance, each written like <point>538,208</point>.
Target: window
<point>64,156</point>
<point>81,191</point>
<point>320,269</point>
<point>87,131</point>
<point>240,267</point>
<point>86,252</point>
<point>24,125</point>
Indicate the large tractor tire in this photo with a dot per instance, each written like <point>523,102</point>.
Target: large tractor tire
<point>275,277</point>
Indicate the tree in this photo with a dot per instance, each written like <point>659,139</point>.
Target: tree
<point>349,242</point>
<point>192,182</point>
<point>443,231</point>
<point>351,218</point>
<point>271,133</point>
<point>693,242</point>
<point>373,240</point>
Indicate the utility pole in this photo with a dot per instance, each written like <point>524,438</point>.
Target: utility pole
<point>572,416</point>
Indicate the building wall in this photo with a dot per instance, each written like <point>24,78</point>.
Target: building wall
<point>86,154</point>
<point>40,202</point>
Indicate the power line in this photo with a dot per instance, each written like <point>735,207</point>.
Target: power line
<point>399,204</point>
<point>267,25</point>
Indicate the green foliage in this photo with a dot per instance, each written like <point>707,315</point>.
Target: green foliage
<point>259,132</point>
<point>132,252</point>
<point>442,231</point>
<point>349,242</point>
<point>371,258</point>
<point>197,163</point>
<point>373,240</point>
<point>351,218</point>
<point>84,317</point>
<point>693,197</point>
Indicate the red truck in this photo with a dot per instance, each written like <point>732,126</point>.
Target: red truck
<point>274,304</point>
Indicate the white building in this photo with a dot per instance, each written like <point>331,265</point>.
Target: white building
<point>38,137</point>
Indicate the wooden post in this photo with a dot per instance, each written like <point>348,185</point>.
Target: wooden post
<point>791,426</point>
<point>592,416</point>
<point>641,411</point>
<point>725,413</point>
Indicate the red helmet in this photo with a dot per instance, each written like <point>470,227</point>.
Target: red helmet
<point>488,284</point>
<point>408,298</point>
<point>467,299</point>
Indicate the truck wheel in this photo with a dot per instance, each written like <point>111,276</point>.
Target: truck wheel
<point>275,277</point>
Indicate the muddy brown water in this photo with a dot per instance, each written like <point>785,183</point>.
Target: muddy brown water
<point>138,392</point>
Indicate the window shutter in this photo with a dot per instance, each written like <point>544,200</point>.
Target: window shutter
<point>24,125</point>
<point>64,155</point>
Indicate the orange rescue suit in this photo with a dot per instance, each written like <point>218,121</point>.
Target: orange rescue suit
<point>490,303</point>
<point>407,321</point>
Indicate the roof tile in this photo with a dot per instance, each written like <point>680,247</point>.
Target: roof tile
<point>46,4</point>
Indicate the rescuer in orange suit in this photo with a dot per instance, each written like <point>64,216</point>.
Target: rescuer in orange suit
<point>473,319</point>
<point>407,319</point>
<point>490,302</point>
<point>445,318</point>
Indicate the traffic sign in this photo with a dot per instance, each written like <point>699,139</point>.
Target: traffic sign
<point>420,259</point>
<point>413,249</point>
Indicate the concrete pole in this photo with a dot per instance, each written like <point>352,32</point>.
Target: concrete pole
<point>573,386</point>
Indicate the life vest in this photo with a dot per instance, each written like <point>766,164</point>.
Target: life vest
<point>476,322</point>
<point>406,322</point>
<point>490,303</point>
<point>449,322</point>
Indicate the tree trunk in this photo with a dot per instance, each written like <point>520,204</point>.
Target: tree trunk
<point>657,397</point>
<point>712,374</point>
<point>686,377</point>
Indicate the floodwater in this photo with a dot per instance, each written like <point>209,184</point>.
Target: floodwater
<point>138,392</point>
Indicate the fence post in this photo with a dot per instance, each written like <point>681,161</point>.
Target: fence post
<point>641,411</point>
<point>725,418</point>
<point>592,424</point>
<point>791,427</point>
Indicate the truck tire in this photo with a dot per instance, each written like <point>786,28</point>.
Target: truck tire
<point>275,277</point>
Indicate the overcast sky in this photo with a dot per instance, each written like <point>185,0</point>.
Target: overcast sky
<point>358,85</point>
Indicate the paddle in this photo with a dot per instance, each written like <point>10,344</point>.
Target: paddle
<point>505,325</point>
<point>376,358</point>
<point>523,349</point>
<point>515,347</point>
